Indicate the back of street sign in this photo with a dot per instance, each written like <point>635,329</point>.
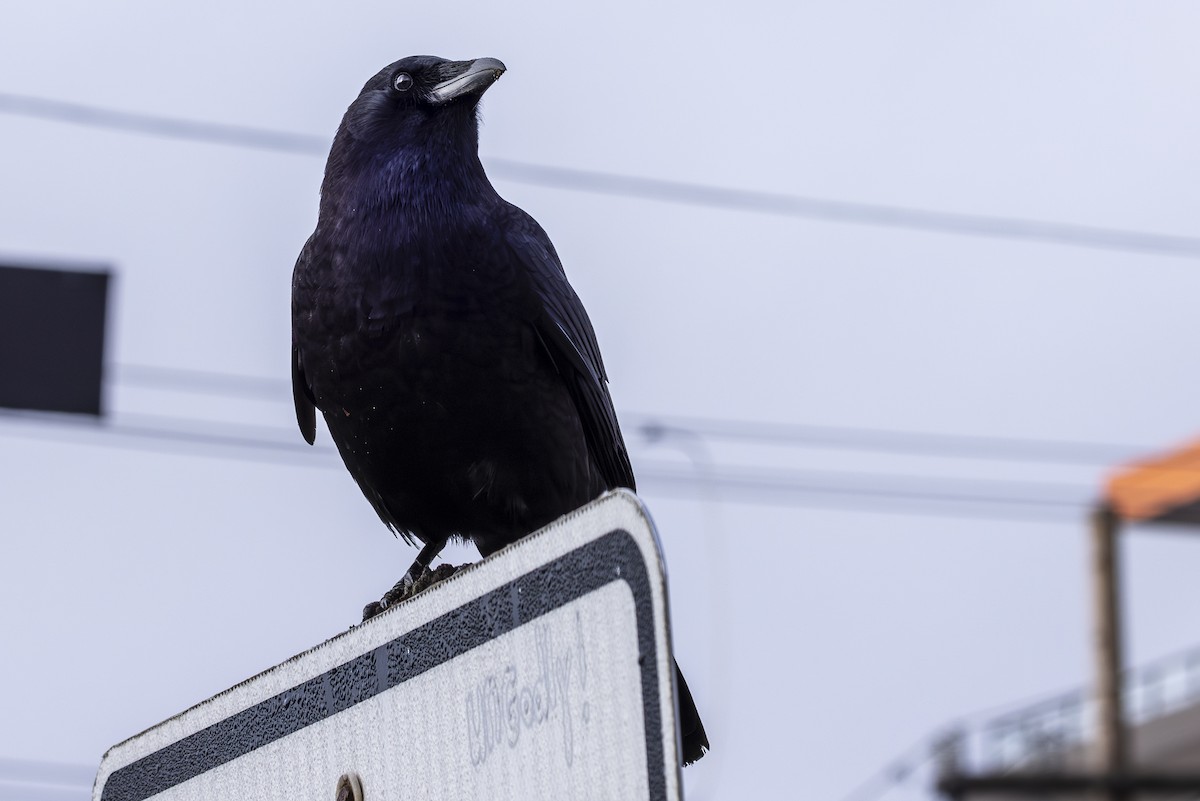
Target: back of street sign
<point>542,672</point>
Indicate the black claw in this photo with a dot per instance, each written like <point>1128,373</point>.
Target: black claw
<point>417,579</point>
<point>402,589</point>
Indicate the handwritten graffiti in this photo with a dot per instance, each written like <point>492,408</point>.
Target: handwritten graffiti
<point>505,704</point>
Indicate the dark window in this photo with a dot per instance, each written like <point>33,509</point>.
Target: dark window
<point>52,339</point>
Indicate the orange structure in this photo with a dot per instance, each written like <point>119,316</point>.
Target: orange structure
<point>1160,488</point>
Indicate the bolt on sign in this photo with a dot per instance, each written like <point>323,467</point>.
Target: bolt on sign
<point>542,672</point>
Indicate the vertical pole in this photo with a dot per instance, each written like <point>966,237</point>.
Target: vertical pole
<point>1111,743</point>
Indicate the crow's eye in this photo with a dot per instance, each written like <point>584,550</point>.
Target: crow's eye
<point>402,82</point>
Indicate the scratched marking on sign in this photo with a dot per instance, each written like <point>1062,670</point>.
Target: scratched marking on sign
<point>505,704</point>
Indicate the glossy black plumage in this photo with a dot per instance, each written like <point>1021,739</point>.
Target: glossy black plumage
<point>434,328</point>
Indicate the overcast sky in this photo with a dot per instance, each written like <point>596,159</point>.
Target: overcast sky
<point>821,637</point>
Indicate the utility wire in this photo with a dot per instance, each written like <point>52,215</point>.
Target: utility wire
<point>877,493</point>
<point>215,133</point>
<point>853,213</point>
<point>206,382</point>
<point>898,771</point>
<point>655,427</point>
<point>45,778</point>
<point>853,491</point>
<point>875,439</point>
<point>605,183</point>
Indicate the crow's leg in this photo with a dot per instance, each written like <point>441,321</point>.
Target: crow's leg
<point>405,586</point>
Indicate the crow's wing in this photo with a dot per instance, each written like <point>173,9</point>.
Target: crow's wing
<point>566,332</point>
<point>306,410</point>
<point>302,395</point>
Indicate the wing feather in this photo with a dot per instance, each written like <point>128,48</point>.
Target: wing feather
<point>565,330</point>
<point>306,410</point>
<point>302,394</point>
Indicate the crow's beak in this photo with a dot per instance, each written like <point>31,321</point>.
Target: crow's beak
<point>467,78</point>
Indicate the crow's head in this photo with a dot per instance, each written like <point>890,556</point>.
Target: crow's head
<point>419,101</point>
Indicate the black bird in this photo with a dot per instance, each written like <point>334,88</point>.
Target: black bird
<point>433,326</point>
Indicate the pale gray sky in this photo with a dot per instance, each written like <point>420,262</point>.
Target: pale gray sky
<point>819,642</point>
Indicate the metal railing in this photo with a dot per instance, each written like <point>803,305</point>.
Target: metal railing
<point>1053,733</point>
<point>1049,736</point>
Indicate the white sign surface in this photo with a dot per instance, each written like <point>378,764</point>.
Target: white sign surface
<point>542,672</point>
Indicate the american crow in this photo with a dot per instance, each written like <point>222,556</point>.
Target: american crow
<point>433,326</point>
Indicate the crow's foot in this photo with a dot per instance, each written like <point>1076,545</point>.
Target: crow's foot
<point>409,586</point>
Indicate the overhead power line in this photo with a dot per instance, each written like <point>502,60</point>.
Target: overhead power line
<point>606,183</point>
<point>653,427</point>
<point>29,778</point>
<point>821,489</point>
<point>206,382</point>
<point>215,133</point>
<point>922,443</point>
<point>873,492</point>
<point>854,213</point>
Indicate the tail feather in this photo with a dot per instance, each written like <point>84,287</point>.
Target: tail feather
<point>691,729</point>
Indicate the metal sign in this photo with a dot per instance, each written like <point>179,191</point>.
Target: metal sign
<point>542,672</point>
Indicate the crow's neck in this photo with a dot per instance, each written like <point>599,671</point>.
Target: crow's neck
<point>410,186</point>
